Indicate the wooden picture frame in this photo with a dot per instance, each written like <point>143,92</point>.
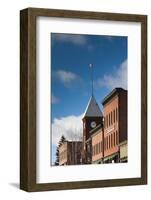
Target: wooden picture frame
<point>28,98</point>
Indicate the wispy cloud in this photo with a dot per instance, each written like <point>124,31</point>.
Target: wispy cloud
<point>117,79</point>
<point>90,47</point>
<point>66,77</point>
<point>70,127</point>
<point>54,99</point>
<point>108,37</point>
<point>72,38</point>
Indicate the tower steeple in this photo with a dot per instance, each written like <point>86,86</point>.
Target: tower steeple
<point>92,109</point>
<point>91,119</point>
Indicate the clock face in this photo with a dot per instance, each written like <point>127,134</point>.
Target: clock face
<point>93,124</point>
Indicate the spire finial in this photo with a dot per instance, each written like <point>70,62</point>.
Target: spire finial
<point>91,71</point>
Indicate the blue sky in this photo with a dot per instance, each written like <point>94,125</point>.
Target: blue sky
<point>71,55</point>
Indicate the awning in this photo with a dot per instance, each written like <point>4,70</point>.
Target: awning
<point>110,157</point>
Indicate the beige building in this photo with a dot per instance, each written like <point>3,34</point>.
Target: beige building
<point>70,153</point>
<point>123,152</point>
<point>63,157</point>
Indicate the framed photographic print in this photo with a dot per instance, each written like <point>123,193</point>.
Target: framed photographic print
<point>83,99</point>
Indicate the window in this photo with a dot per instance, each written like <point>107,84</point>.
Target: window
<point>99,146</point>
<point>111,140</point>
<point>107,142</point>
<point>111,117</point>
<point>106,120</point>
<point>116,137</point>
<point>114,116</point>
<point>96,148</point>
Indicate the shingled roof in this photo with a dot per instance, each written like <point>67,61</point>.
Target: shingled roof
<point>92,109</point>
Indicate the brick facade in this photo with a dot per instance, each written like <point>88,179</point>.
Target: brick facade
<point>114,131</point>
<point>97,146</point>
<point>103,142</point>
<point>70,153</point>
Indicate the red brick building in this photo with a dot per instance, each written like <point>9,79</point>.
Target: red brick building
<point>109,137</point>
<point>104,135</point>
<point>92,118</point>
<point>97,144</point>
<point>115,123</point>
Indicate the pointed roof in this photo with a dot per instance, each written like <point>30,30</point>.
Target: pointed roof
<point>92,109</point>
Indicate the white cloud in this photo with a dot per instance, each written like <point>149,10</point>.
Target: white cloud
<point>72,38</point>
<point>117,79</point>
<point>66,77</point>
<point>70,127</point>
<point>54,99</point>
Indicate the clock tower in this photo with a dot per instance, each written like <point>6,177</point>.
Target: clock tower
<point>91,119</point>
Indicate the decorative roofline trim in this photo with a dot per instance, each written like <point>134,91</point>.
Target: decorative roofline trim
<point>111,94</point>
